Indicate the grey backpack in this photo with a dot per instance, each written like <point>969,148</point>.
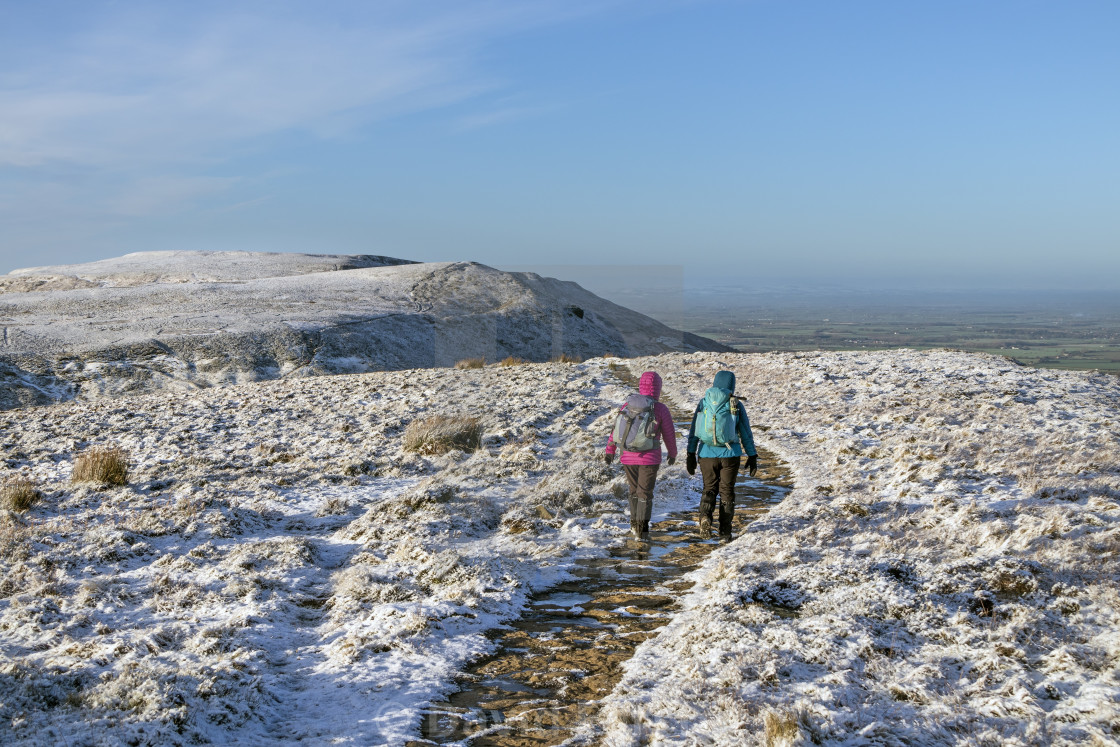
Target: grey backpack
<point>635,427</point>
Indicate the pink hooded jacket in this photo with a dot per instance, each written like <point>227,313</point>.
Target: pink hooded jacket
<point>650,385</point>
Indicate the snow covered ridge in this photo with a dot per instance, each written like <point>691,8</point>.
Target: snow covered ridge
<point>146,268</point>
<point>945,572</point>
<point>278,567</point>
<point>183,320</point>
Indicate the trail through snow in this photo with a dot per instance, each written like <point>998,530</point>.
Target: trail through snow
<point>279,568</point>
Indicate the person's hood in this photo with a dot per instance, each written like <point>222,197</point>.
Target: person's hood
<point>650,384</point>
<point>725,380</point>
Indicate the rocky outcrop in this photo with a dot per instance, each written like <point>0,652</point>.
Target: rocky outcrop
<point>176,320</point>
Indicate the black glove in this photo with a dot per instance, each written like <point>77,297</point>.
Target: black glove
<point>752,464</point>
<point>672,461</point>
<point>690,463</point>
<point>608,458</point>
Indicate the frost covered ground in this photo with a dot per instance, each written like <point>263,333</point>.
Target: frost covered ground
<point>945,571</point>
<point>279,568</point>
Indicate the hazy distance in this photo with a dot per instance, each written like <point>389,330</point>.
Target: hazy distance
<point>932,145</point>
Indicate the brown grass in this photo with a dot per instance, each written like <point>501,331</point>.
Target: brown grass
<point>467,363</point>
<point>565,358</point>
<point>442,433</point>
<point>512,361</point>
<point>15,544</point>
<point>781,729</point>
<point>104,465</point>
<point>19,494</point>
<point>855,508</point>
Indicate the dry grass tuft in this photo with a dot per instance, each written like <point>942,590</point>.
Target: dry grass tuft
<point>468,363</point>
<point>442,433</point>
<point>19,494</point>
<point>512,361</point>
<point>782,729</point>
<point>1013,582</point>
<point>15,544</point>
<point>334,507</point>
<point>104,465</point>
<point>565,358</point>
<point>855,508</point>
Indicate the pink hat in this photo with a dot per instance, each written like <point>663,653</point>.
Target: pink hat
<point>650,384</point>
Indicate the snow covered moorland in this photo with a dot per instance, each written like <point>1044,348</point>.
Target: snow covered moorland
<point>280,568</point>
<point>945,572</point>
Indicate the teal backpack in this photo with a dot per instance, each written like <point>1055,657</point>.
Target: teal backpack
<point>717,422</point>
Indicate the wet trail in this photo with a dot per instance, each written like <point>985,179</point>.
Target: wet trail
<point>550,667</point>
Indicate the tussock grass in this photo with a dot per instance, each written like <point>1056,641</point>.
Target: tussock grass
<point>468,363</point>
<point>565,358</point>
<point>19,494</point>
<point>439,434</point>
<point>781,729</point>
<point>334,507</point>
<point>512,361</point>
<point>275,453</point>
<point>104,465</point>
<point>15,544</point>
<point>855,508</point>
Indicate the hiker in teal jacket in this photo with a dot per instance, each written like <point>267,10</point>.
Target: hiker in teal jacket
<point>719,463</point>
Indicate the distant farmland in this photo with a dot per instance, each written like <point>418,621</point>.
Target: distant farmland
<point>1050,336</point>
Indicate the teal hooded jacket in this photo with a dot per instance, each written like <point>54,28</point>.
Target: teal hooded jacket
<point>724,380</point>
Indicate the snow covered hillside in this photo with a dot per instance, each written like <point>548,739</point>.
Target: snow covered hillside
<point>947,570</point>
<point>184,320</point>
<point>279,568</point>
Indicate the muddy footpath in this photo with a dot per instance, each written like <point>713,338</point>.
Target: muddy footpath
<point>550,668</point>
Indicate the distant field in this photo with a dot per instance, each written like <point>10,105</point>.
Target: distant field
<point>1044,338</point>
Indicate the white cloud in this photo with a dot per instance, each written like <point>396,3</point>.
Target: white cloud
<point>142,88</point>
<point>141,98</point>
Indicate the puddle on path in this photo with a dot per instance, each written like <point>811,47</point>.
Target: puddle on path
<point>551,667</point>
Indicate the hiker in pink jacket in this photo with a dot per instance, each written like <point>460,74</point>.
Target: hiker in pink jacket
<point>640,427</point>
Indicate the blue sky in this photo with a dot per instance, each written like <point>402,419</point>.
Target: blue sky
<point>854,142</point>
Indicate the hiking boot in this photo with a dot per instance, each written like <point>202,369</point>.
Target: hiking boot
<point>635,531</point>
<point>644,536</point>
<point>705,526</point>
<point>724,538</point>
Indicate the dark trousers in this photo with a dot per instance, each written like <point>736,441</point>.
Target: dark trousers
<point>719,479</point>
<point>641,479</point>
